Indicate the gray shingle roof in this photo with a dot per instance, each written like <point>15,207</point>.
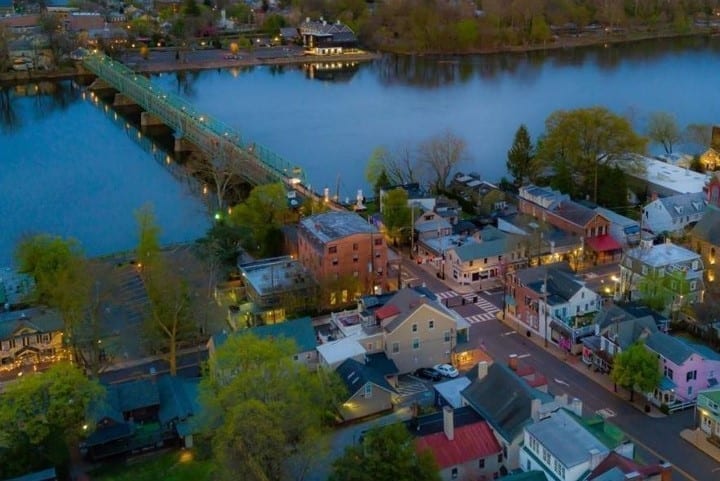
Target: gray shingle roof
<point>669,347</point>
<point>629,330</point>
<point>503,399</point>
<point>682,205</point>
<point>708,227</point>
<point>36,318</point>
<point>566,438</point>
<point>479,250</point>
<point>355,375</point>
<point>573,212</point>
<point>330,226</point>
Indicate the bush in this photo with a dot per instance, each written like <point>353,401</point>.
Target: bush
<point>664,408</point>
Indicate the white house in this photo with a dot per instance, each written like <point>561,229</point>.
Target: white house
<point>674,213</point>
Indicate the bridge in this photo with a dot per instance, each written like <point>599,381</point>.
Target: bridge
<point>213,138</point>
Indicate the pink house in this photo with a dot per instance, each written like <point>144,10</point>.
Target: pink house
<point>686,367</point>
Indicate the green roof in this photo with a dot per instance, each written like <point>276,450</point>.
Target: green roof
<point>711,394</point>
<point>299,330</point>
<point>44,475</point>
<point>608,434</point>
<point>527,476</point>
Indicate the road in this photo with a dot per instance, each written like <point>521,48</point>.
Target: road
<point>654,438</point>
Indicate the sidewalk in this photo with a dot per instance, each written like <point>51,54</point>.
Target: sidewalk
<point>698,438</point>
<point>576,363</point>
<point>451,284</point>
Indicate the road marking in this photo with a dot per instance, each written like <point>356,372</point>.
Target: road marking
<point>561,382</point>
<point>523,356</point>
<point>606,413</point>
<point>508,333</point>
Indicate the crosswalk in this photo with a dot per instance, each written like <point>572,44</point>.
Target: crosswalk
<point>490,310</point>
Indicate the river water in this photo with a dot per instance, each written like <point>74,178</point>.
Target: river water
<point>68,168</point>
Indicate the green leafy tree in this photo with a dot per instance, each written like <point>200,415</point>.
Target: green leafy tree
<point>191,8</point>
<point>636,368</point>
<point>385,453</point>
<point>539,30</point>
<point>271,412</point>
<point>396,213</point>
<point>273,23</point>
<point>664,292</point>
<point>520,157</point>
<point>382,182</point>
<point>261,216</point>
<point>43,417</point>
<point>663,129</point>
<point>612,187</point>
<point>585,139</point>
<point>467,32</point>
<point>169,319</point>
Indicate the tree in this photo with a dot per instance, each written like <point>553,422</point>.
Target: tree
<point>169,318</point>
<point>664,292</point>
<point>396,213</point>
<point>441,155</point>
<point>385,453</point>
<point>43,416</point>
<point>584,139</point>
<point>271,412</point>
<point>399,167</point>
<point>663,129</point>
<point>261,216</point>
<point>520,157</point>
<point>636,368</point>
<point>698,134</point>
<point>223,169</point>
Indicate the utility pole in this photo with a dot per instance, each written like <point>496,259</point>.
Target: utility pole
<point>545,308</point>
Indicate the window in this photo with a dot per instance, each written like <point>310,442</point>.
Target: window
<point>416,343</point>
<point>695,265</point>
<point>668,372</point>
<point>546,457</point>
<point>693,285</point>
<point>691,376</point>
<point>335,262</point>
<point>485,260</point>
<point>355,246</point>
<point>378,242</point>
<point>395,347</point>
<point>414,328</point>
<point>355,258</point>
<point>481,463</point>
<point>333,299</point>
<point>368,390</point>
<point>454,473</point>
<point>644,270</point>
<point>446,336</point>
<point>431,324</point>
<point>295,357</point>
<point>500,458</point>
<point>332,250</point>
<point>356,274</point>
<point>344,295</point>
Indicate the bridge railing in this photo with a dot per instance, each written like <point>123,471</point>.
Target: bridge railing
<point>204,131</point>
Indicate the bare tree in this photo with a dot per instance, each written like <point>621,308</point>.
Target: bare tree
<point>663,129</point>
<point>440,155</point>
<point>222,170</point>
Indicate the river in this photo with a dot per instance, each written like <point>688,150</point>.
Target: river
<point>67,168</point>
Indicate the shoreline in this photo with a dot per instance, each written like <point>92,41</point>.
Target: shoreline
<point>250,59</point>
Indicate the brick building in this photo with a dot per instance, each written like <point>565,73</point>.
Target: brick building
<point>345,254</point>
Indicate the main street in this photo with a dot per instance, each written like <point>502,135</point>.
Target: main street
<point>655,438</point>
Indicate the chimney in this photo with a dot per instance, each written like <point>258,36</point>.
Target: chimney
<point>448,423</point>
<point>513,362</point>
<point>576,406</point>
<point>562,400</point>
<point>665,471</point>
<point>653,196</point>
<point>535,409</point>
<point>482,369</point>
<point>596,458</point>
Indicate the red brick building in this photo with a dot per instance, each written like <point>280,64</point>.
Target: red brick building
<point>346,254</point>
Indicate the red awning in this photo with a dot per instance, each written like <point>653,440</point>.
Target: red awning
<point>386,311</point>
<point>603,243</point>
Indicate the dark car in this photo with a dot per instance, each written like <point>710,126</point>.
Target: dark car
<point>428,373</point>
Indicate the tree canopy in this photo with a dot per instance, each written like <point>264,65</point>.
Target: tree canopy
<point>396,213</point>
<point>261,216</point>
<point>663,129</point>
<point>271,412</point>
<point>636,368</point>
<point>582,140</point>
<point>520,157</point>
<point>385,453</point>
<point>43,416</point>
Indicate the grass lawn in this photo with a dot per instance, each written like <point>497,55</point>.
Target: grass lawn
<point>168,466</point>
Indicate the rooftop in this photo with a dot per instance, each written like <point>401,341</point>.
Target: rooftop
<point>278,274</point>
<point>299,330</point>
<point>566,438</point>
<point>331,226</point>
<point>662,255</point>
<point>708,227</point>
<point>670,177</point>
<point>470,442</point>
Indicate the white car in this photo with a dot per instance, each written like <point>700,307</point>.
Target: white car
<point>447,370</point>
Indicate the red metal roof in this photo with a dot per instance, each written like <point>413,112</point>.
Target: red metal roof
<point>387,311</point>
<point>603,243</point>
<point>474,441</point>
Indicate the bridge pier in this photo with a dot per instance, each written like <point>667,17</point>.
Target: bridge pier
<point>148,119</point>
<point>122,100</point>
<point>182,145</point>
<point>100,87</point>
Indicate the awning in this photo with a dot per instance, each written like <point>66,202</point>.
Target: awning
<point>603,243</point>
<point>666,384</point>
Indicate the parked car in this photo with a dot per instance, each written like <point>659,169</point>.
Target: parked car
<point>447,370</point>
<point>428,373</point>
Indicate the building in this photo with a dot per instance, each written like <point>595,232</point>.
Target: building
<point>417,196</point>
<point>486,197</point>
<point>623,229</point>
<point>687,368</point>
<point>84,21</point>
<point>48,474</point>
<point>666,269</point>
<point>563,447</point>
<point>543,242</point>
<point>708,412</point>
<point>345,254</point>
<point>508,403</point>
<point>323,38</point>
<point>553,303</point>
<point>300,331</point>
<point>673,213</point>
<point>705,236</point>
<point>463,452</point>
<point>369,391</point>
<point>558,210</point>
<point>616,467</point>
<point>409,326</point>
<point>660,178</point>
<point>14,288</point>
<point>277,287</point>
<point>7,7</point>
<point>30,336</point>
